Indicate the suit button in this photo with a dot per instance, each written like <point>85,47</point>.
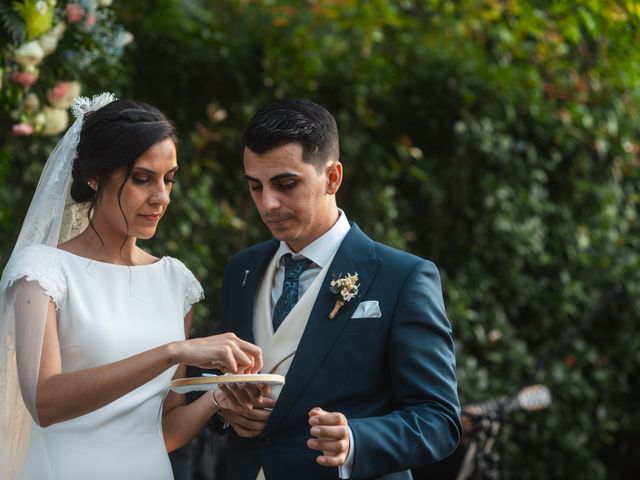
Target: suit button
<point>265,442</point>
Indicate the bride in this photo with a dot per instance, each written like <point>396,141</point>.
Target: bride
<point>92,329</point>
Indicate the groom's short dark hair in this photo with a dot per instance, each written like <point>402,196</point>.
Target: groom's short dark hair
<point>294,121</point>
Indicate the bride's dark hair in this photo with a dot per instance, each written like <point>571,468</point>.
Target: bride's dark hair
<point>114,136</point>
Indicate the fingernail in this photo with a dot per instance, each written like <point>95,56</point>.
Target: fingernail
<point>315,431</point>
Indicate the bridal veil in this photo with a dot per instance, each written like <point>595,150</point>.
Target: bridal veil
<point>51,219</point>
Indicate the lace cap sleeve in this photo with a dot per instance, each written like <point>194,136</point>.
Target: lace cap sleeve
<point>192,290</point>
<point>41,264</point>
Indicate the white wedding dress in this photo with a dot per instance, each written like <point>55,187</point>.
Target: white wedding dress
<point>106,313</point>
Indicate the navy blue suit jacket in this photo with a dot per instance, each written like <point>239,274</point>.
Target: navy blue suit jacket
<point>393,377</point>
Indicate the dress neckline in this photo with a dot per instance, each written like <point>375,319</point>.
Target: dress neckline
<point>91,260</point>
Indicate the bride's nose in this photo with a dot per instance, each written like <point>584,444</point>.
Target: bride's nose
<point>161,196</point>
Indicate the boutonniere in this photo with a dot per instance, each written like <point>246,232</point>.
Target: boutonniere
<point>346,288</point>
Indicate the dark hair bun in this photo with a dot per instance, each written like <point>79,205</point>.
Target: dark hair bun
<point>81,191</point>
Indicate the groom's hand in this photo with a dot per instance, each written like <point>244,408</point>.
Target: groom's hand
<point>330,434</point>
<point>246,407</point>
<point>249,423</point>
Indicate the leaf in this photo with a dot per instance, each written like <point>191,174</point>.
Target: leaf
<point>13,24</point>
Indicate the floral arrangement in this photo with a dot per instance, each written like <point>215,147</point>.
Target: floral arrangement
<point>346,288</point>
<point>35,93</point>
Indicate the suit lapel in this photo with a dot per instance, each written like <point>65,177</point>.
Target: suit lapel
<point>255,263</point>
<point>356,254</point>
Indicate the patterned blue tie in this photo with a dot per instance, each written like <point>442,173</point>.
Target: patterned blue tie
<point>289,296</point>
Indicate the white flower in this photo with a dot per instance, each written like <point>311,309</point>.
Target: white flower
<point>348,295</point>
<point>42,7</point>
<point>56,120</point>
<point>31,102</point>
<point>124,39</point>
<point>106,3</point>
<point>49,41</point>
<point>58,30</point>
<point>346,286</point>
<point>39,120</point>
<point>30,53</point>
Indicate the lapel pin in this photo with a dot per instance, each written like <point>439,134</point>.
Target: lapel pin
<point>244,280</point>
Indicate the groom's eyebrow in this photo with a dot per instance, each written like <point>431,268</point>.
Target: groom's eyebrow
<point>272,179</point>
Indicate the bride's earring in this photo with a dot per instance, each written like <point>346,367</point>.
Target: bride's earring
<point>92,185</point>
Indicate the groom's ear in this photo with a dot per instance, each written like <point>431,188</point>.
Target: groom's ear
<point>334,177</point>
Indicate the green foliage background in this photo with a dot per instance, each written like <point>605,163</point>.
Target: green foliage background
<point>497,138</point>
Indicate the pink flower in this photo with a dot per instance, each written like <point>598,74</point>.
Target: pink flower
<point>22,129</point>
<point>90,21</point>
<point>26,79</point>
<point>75,12</point>
<point>63,94</point>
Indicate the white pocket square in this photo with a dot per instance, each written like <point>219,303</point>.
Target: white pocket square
<point>368,309</point>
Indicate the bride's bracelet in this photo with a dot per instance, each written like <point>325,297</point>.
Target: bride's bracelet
<point>225,423</point>
<point>213,394</point>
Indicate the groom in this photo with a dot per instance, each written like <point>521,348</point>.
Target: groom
<point>370,392</point>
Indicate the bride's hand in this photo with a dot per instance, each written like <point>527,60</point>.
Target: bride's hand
<point>225,352</point>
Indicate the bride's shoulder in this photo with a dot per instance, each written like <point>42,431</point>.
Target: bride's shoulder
<point>39,263</point>
<point>193,291</point>
<point>178,266</point>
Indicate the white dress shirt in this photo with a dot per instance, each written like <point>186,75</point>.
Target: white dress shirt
<point>320,251</point>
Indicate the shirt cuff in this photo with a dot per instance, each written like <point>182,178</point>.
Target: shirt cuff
<point>344,470</point>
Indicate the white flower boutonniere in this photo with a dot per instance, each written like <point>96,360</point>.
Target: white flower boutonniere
<point>346,288</point>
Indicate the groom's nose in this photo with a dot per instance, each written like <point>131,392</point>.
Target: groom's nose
<point>270,200</point>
